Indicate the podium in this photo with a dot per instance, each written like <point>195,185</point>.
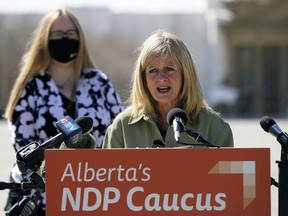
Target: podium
<point>162,181</point>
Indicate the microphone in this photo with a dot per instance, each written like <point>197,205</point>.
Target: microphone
<point>177,118</point>
<point>31,155</point>
<point>158,144</point>
<point>270,126</point>
<point>86,141</point>
<point>70,131</point>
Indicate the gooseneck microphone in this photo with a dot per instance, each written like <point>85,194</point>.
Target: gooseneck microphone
<point>177,119</point>
<point>270,126</point>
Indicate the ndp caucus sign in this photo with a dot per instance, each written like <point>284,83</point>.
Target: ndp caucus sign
<point>227,181</point>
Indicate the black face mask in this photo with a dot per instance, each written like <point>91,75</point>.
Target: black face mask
<point>63,50</point>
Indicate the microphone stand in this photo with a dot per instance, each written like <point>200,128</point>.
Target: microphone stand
<point>199,138</point>
<point>283,182</point>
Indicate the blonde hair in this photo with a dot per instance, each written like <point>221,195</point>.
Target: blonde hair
<point>191,97</point>
<point>37,57</point>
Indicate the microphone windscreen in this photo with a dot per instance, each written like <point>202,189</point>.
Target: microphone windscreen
<point>85,122</point>
<point>85,141</point>
<point>266,123</point>
<point>176,112</point>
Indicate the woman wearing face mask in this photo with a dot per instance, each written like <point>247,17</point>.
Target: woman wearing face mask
<point>57,78</point>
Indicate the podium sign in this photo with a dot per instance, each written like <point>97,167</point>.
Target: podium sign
<point>164,181</point>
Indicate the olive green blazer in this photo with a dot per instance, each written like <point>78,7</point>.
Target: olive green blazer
<point>141,132</point>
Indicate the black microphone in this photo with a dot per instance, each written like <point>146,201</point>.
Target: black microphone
<point>13,185</point>
<point>158,144</point>
<point>177,118</point>
<point>270,126</point>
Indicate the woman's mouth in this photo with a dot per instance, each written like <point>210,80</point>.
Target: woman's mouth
<point>163,89</point>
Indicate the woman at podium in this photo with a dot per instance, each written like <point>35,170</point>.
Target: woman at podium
<point>164,79</point>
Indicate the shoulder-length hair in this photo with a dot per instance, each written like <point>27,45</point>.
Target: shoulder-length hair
<point>191,98</point>
<point>37,57</point>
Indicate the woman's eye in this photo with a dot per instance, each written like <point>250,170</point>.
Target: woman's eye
<point>152,71</point>
<point>169,69</point>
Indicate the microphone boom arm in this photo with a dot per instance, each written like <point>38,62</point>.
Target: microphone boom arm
<point>199,138</point>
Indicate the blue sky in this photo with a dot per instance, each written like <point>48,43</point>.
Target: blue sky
<point>135,6</point>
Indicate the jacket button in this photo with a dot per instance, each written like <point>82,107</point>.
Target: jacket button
<point>170,143</point>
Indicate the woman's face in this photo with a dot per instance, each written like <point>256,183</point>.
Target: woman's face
<point>63,40</point>
<point>164,80</point>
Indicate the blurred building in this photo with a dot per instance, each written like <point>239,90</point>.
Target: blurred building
<point>257,39</point>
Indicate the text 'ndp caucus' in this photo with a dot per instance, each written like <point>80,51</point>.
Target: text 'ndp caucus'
<point>136,197</point>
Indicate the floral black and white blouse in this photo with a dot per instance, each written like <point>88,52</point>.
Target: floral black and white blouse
<point>41,105</point>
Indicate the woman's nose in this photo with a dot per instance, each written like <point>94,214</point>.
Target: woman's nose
<point>161,75</point>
